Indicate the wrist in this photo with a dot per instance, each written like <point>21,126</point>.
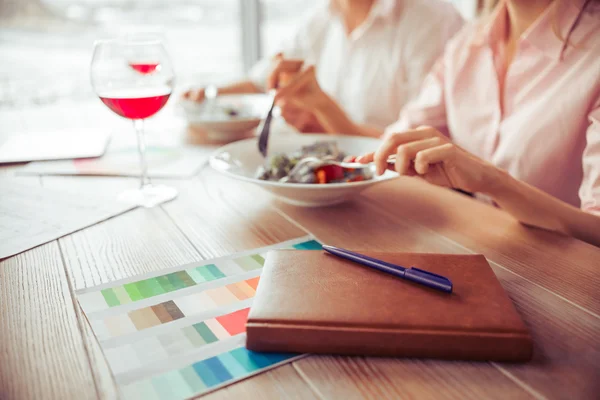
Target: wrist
<point>496,181</point>
<point>322,104</point>
<point>332,117</point>
<point>324,109</point>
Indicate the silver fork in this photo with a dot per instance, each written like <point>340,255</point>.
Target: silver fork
<point>265,129</point>
<point>314,163</point>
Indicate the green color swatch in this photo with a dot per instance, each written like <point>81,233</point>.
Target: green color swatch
<point>165,283</point>
<point>149,288</point>
<point>205,332</point>
<point>216,272</point>
<point>259,259</point>
<point>247,263</point>
<point>133,292</point>
<point>110,297</point>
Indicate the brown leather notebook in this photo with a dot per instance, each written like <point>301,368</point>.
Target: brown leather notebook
<point>312,302</point>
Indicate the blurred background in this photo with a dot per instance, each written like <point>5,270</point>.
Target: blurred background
<point>46,45</point>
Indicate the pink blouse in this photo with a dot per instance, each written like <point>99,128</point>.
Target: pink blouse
<point>545,129</point>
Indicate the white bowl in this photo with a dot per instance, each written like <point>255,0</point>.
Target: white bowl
<point>219,126</point>
<point>241,160</point>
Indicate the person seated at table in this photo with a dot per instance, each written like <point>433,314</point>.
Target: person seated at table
<point>510,112</point>
<point>371,56</point>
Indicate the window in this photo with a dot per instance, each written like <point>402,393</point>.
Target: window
<point>46,45</point>
<point>280,19</point>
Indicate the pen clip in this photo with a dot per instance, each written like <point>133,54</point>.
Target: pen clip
<point>428,278</point>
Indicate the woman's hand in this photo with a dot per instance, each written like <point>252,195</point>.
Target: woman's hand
<point>302,101</point>
<point>196,95</point>
<point>284,70</point>
<point>427,153</point>
<point>304,121</point>
<point>300,89</point>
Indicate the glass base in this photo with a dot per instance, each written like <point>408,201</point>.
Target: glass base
<point>148,196</point>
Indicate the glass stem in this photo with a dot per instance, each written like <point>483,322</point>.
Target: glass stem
<point>141,141</point>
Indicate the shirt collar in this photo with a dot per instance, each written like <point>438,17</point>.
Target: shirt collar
<point>380,8</point>
<point>491,28</point>
<point>542,34</point>
<point>548,33</point>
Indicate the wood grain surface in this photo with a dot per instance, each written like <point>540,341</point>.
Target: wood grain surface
<point>42,353</point>
<point>388,378</point>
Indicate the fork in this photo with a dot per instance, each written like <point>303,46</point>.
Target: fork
<point>319,162</point>
<point>265,129</point>
<point>314,163</point>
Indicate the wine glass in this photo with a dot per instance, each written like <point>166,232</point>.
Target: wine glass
<point>134,78</point>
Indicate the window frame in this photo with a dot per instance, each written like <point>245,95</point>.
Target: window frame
<point>250,20</point>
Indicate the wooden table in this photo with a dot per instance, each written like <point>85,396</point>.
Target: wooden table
<point>48,351</point>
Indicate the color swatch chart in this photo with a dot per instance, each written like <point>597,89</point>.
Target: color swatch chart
<point>180,332</point>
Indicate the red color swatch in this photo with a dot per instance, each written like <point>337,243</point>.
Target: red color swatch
<point>234,323</point>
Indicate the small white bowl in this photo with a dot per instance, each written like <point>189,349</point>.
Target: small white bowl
<point>240,160</point>
<point>251,108</point>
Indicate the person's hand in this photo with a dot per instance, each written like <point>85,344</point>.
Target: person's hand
<point>427,153</point>
<point>196,95</point>
<point>283,70</point>
<point>302,91</point>
<point>304,121</point>
<point>298,94</point>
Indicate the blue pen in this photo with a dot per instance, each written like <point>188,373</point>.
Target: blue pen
<point>412,274</point>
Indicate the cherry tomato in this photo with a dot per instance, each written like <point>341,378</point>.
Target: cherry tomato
<point>332,172</point>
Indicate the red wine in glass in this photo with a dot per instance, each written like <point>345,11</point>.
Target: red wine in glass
<point>136,91</point>
<point>145,68</point>
<point>129,104</point>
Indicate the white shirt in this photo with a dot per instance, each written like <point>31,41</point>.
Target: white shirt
<point>373,72</point>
